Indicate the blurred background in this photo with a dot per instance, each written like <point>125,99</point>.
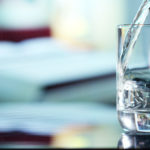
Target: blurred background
<point>57,72</point>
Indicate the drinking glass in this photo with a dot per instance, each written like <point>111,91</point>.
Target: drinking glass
<point>133,81</point>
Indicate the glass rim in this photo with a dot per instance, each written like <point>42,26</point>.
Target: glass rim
<point>128,25</point>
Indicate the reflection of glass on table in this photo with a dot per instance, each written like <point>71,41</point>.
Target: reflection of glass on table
<point>134,141</point>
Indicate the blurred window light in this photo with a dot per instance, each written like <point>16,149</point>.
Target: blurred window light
<point>91,22</point>
<point>24,13</point>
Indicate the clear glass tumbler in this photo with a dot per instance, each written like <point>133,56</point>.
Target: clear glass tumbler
<point>133,81</point>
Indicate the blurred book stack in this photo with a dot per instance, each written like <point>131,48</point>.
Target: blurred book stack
<point>48,89</point>
<point>43,69</point>
<point>58,125</point>
<point>52,95</point>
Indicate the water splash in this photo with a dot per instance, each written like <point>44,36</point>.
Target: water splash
<point>133,33</point>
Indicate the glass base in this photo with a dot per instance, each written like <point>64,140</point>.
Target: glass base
<point>135,122</point>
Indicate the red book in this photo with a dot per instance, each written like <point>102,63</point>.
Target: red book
<point>17,35</point>
<point>20,138</point>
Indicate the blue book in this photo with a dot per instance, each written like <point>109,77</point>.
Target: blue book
<point>44,69</point>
